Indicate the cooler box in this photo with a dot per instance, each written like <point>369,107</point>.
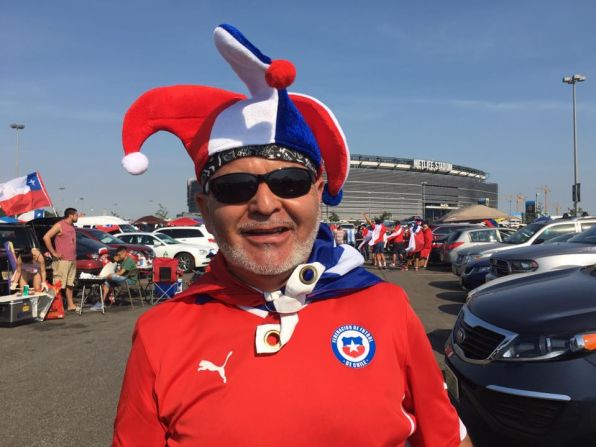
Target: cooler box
<point>16,310</point>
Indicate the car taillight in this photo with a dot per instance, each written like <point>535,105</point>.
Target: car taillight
<point>211,240</point>
<point>454,245</point>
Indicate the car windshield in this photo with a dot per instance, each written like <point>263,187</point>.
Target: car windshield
<point>125,228</point>
<point>586,237</point>
<point>106,238</point>
<point>523,234</point>
<point>168,239</point>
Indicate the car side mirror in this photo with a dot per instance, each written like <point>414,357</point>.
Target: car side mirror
<point>538,241</point>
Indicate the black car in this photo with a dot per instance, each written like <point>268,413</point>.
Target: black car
<point>23,239</point>
<point>474,274</point>
<point>521,359</point>
<point>87,248</point>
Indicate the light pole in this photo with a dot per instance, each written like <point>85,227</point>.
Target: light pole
<point>61,197</point>
<point>17,127</point>
<point>573,80</point>
<point>424,200</point>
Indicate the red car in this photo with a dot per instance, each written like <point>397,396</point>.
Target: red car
<point>142,254</point>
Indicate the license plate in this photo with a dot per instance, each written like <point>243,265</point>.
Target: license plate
<point>452,384</point>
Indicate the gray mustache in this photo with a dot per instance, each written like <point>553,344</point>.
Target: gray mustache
<point>250,226</point>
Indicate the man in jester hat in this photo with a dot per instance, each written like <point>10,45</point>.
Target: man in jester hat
<point>287,340</point>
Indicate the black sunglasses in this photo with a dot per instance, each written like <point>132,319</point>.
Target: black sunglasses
<point>239,187</point>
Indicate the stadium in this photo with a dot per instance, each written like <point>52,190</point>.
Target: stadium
<point>403,187</point>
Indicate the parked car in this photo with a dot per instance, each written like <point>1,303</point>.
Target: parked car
<point>466,238</point>
<point>562,238</point>
<point>189,256</point>
<point>440,234</point>
<point>521,359</point>
<point>579,250</point>
<point>142,254</point>
<point>474,274</point>
<point>23,239</point>
<point>197,235</point>
<point>109,224</point>
<point>532,234</point>
<point>88,255</point>
<point>87,249</point>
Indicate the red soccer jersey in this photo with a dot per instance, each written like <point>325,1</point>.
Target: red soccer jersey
<point>358,370</point>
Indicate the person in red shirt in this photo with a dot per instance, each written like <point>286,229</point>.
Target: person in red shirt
<point>427,245</point>
<point>61,242</point>
<point>287,327</point>
<point>395,240</point>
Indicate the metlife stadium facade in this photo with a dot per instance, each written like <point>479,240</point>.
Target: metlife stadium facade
<point>403,187</point>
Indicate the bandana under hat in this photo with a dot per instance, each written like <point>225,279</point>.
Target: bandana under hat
<point>211,122</point>
<point>268,151</point>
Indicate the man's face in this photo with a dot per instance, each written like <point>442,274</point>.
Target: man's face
<point>267,235</point>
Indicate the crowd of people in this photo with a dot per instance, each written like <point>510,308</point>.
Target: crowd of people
<point>408,246</point>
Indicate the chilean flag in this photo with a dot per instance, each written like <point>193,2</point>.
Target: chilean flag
<point>352,346</point>
<point>23,194</point>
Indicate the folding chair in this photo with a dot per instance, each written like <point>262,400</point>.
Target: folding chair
<point>164,280</point>
<point>132,282</point>
<point>11,257</point>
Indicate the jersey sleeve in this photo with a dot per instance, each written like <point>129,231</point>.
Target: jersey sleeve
<point>436,421</point>
<point>137,422</point>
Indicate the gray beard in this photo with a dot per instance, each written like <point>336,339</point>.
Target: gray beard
<point>240,258</point>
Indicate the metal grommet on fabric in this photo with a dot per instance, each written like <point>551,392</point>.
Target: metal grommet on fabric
<point>268,339</point>
<point>272,338</point>
<point>308,274</point>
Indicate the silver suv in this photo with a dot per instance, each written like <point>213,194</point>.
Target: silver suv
<point>580,250</point>
<point>532,234</point>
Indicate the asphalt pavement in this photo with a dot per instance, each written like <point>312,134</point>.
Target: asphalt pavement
<point>60,379</point>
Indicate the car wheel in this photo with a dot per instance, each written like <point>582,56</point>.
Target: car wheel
<point>186,262</point>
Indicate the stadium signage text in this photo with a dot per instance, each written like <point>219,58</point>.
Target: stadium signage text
<point>431,165</point>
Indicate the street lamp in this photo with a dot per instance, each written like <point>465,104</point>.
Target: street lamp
<point>17,127</point>
<point>424,199</point>
<point>61,195</point>
<point>573,80</point>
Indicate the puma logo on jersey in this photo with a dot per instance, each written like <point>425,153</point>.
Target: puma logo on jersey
<point>206,365</point>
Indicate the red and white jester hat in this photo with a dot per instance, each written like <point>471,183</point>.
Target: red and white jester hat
<point>210,121</point>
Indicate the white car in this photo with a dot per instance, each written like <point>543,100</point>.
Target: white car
<point>197,235</point>
<point>189,256</point>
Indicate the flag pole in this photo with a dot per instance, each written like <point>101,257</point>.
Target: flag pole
<point>45,191</point>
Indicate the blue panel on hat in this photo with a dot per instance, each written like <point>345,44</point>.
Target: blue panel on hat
<point>244,41</point>
<point>292,131</point>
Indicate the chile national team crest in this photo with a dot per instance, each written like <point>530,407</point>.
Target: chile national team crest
<point>353,345</point>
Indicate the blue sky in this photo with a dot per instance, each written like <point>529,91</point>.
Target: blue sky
<point>467,82</point>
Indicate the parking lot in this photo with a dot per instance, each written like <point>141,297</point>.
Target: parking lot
<point>61,379</point>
